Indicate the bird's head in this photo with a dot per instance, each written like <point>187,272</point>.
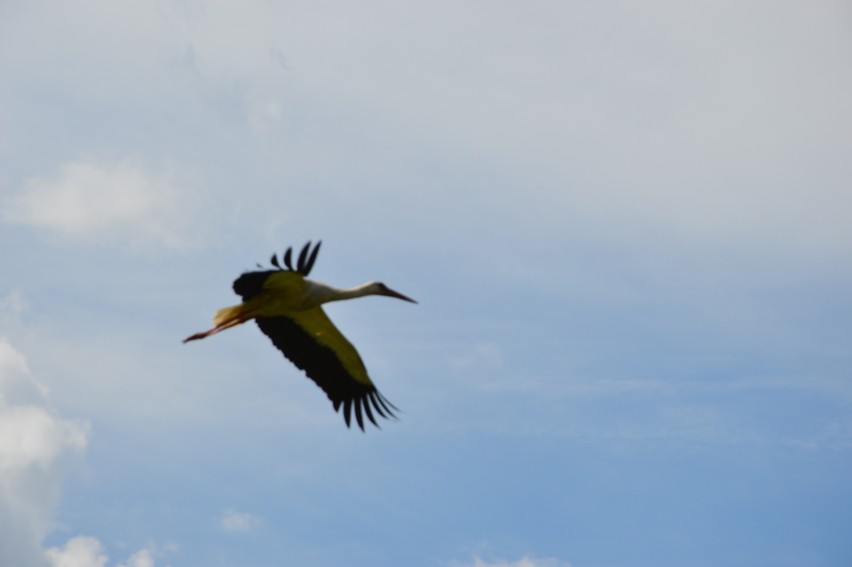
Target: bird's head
<point>378,288</point>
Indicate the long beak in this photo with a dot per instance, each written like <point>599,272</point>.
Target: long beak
<point>391,293</point>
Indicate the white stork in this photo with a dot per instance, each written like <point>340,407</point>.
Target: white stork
<point>286,305</point>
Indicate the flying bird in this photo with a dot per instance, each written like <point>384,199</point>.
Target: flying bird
<point>287,306</point>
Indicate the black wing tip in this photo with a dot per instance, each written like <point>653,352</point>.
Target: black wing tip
<point>307,257</point>
<point>311,258</point>
<point>361,405</point>
<point>304,262</point>
<point>303,257</point>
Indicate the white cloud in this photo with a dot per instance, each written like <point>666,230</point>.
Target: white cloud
<point>78,552</point>
<point>142,558</point>
<point>120,202</point>
<point>525,561</point>
<point>85,551</point>
<point>233,521</point>
<point>13,364</point>
<point>35,445</point>
<point>31,436</point>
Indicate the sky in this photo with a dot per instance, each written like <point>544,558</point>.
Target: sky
<point>626,224</point>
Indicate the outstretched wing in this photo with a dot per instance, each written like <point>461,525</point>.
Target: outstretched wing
<point>311,341</point>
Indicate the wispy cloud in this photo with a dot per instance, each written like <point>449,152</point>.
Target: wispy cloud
<point>142,558</point>
<point>234,521</point>
<point>525,561</point>
<point>119,202</point>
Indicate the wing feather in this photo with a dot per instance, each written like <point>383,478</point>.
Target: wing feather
<point>303,256</point>
<point>311,342</point>
<point>311,259</point>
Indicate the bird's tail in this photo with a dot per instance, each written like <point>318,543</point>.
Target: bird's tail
<point>229,316</point>
<point>225,318</point>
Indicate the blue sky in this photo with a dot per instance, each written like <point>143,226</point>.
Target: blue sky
<point>626,224</point>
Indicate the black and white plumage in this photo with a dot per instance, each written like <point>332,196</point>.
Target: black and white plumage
<point>287,308</point>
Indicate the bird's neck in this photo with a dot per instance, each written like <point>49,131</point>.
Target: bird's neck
<point>323,293</point>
